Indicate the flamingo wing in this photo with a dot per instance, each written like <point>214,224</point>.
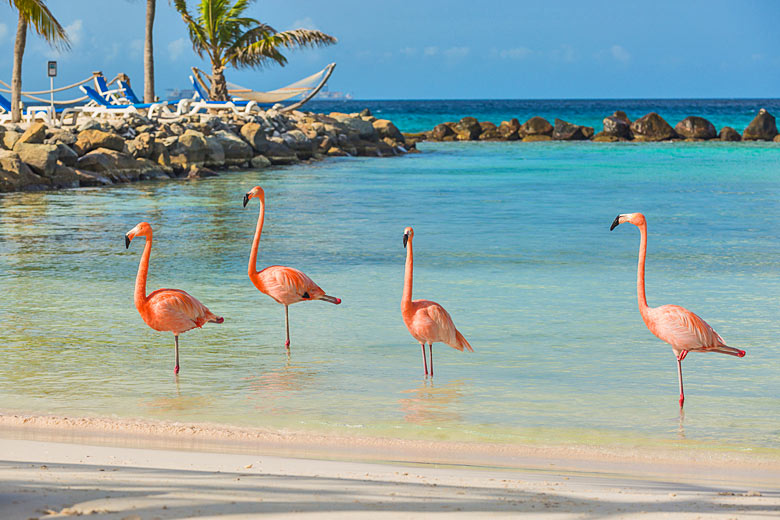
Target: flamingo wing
<point>685,330</point>
<point>437,322</point>
<point>286,285</point>
<point>177,311</point>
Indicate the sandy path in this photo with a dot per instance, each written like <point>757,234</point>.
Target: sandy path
<point>50,479</point>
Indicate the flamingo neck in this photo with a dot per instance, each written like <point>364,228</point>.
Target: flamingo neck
<point>139,297</point>
<point>252,270</point>
<point>406,298</point>
<point>640,271</point>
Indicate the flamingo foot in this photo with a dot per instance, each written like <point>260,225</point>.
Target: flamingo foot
<point>176,370</point>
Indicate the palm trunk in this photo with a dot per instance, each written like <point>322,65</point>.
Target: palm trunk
<point>219,90</point>
<point>16,74</point>
<point>149,53</point>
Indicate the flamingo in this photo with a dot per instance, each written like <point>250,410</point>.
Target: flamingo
<point>427,321</point>
<point>165,309</point>
<point>682,329</point>
<point>285,285</point>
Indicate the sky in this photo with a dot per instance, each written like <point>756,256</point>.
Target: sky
<point>448,49</point>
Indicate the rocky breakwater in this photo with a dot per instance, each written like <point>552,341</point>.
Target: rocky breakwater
<point>616,127</point>
<point>101,152</point>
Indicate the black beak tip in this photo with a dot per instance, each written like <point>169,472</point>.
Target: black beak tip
<point>406,239</point>
<point>246,199</point>
<point>615,223</point>
<point>127,242</point>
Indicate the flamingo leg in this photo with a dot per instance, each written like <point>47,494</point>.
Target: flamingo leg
<point>176,354</point>
<point>680,357</point>
<point>425,362</point>
<point>430,347</point>
<point>287,327</point>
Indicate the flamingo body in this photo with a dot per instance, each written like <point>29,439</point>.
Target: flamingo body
<point>427,321</point>
<point>286,285</point>
<point>166,310</point>
<point>679,327</point>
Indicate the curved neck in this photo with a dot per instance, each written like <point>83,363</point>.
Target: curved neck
<point>406,299</point>
<point>252,270</point>
<point>139,297</point>
<point>640,270</point>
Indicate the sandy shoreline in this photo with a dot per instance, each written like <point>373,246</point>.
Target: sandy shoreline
<point>118,468</point>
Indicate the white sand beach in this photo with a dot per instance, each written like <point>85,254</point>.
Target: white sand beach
<point>52,467</point>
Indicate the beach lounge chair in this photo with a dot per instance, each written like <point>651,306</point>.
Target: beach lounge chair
<point>100,106</point>
<point>5,109</point>
<point>202,101</point>
<point>30,113</point>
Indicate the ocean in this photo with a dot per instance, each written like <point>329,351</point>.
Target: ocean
<point>511,238</point>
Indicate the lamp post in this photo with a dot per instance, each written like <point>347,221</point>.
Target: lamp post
<point>52,71</point>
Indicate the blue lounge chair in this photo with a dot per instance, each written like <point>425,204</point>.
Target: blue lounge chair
<point>37,112</point>
<point>202,101</point>
<point>99,105</point>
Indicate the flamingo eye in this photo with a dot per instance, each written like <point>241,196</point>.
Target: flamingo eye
<point>305,295</point>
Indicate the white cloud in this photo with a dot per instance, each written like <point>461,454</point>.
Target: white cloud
<point>457,52</point>
<point>3,30</point>
<point>177,47</point>
<point>431,51</point>
<point>620,54</point>
<point>408,51</point>
<point>517,53</point>
<point>75,32</point>
<point>305,23</point>
<point>565,53</point>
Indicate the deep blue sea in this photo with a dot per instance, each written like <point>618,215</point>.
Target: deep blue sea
<point>512,238</point>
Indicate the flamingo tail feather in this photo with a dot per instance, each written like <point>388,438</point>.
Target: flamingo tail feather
<point>461,342</point>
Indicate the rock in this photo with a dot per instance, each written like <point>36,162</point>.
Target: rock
<point>237,151</point>
<point>335,151</point>
<point>509,130</point>
<point>90,124</point>
<point>60,136</point>
<point>694,127</point>
<point>215,154</point>
<point>440,132</point>
<point>564,131</point>
<point>761,128</point>
<point>64,177</point>
<point>117,166</point>
<point>729,134</point>
<point>10,137</point>
<point>365,113</point>
<point>279,153</point>
<point>88,179</point>
<point>259,162</point>
<point>187,150</point>
<point>385,128</point>
<point>199,172</point>
<point>617,125</point>
<point>411,140</point>
<point>89,140</point>
<point>536,137</point>
<point>468,129</point>
<point>777,138</point>
<point>255,136</point>
<point>17,176</point>
<point>603,137</point>
<point>42,158</point>
<point>652,127</point>
<point>161,156</point>
<point>489,132</point>
<point>35,134</point>
<point>298,141</point>
<point>362,129</point>
<point>66,155</point>
<point>141,146</point>
<point>537,126</point>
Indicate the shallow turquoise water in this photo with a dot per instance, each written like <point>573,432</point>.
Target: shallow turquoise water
<point>513,239</point>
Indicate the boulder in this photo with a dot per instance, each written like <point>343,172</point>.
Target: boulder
<point>9,138</point>
<point>467,129</point>
<point>564,131</point>
<point>64,177</point>
<point>255,135</point>
<point>186,150</point>
<point>118,166</point>
<point>279,153</point>
<point>441,131</point>
<point>237,152</point>
<point>411,140</point>
<point>66,155</point>
<point>652,127</point>
<point>536,126</point>
<point>602,137</point>
<point>357,126</point>
<point>777,138</point>
<point>200,172</point>
<point>215,154</point>
<point>385,128</point>
<point>60,136</point>
<point>536,137</point>
<point>42,158</point>
<point>298,141</point>
<point>617,125</point>
<point>89,140</point>
<point>259,162</point>
<point>17,176</point>
<point>694,127</point>
<point>729,134</point>
<point>509,130</point>
<point>89,179</point>
<point>141,146</point>
<point>489,132</point>
<point>761,128</point>
<point>35,134</point>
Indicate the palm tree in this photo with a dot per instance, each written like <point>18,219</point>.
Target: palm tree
<point>228,38</point>
<point>36,13</point>
<point>149,53</point>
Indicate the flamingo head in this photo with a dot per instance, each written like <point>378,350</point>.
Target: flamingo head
<point>408,235</point>
<point>636,219</point>
<point>142,229</point>
<point>256,192</point>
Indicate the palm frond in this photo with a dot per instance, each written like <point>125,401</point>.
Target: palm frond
<point>37,14</point>
<point>198,37</point>
<point>304,38</point>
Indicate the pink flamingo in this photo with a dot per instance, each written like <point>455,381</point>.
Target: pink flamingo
<point>427,321</point>
<point>682,329</point>
<point>286,285</point>
<point>165,309</point>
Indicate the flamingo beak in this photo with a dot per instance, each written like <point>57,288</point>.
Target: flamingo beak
<point>330,299</point>
<point>615,223</point>
<point>406,239</point>
<point>127,241</point>
<point>246,199</point>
